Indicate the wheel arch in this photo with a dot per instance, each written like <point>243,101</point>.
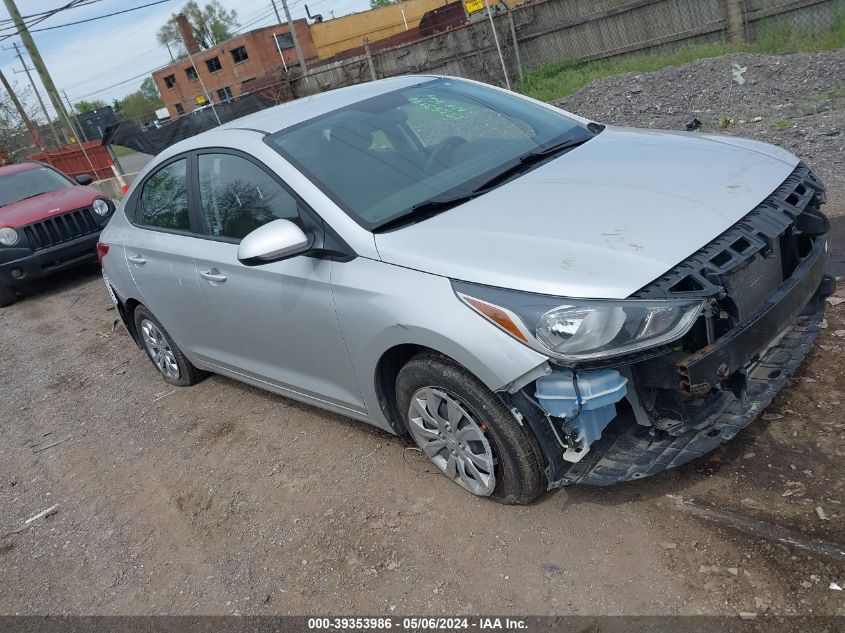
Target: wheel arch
<point>387,369</point>
<point>126,309</point>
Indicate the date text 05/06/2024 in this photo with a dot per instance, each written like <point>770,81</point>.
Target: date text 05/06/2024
<point>417,623</point>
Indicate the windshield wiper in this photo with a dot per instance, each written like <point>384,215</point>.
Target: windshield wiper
<point>529,159</point>
<point>429,208</point>
<point>422,211</point>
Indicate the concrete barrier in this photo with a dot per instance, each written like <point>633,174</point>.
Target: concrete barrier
<point>111,187</point>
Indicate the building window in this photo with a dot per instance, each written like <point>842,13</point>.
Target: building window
<point>170,81</point>
<point>213,65</point>
<point>284,40</point>
<point>224,94</point>
<point>179,109</point>
<point>192,73</point>
<point>239,54</point>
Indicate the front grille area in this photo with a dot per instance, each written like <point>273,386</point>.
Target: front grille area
<point>738,276</point>
<point>753,283</point>
<point>60,228</point>
<point>747,263</point>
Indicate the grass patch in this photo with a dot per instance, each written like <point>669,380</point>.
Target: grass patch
<point>556,81</point>
<point>120,151</point>
<point>781,124</point>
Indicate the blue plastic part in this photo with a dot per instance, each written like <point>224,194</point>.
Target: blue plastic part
<point>599,392</point>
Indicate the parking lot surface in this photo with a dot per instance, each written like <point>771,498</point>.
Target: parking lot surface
<point>223,499</point>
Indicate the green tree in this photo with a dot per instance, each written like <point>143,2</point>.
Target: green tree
<point>211,24</point>
<point>150,91</point>
<point>88,106</point>
<point>139,105</point>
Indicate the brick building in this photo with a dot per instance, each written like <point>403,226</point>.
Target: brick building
<point>229,69</point>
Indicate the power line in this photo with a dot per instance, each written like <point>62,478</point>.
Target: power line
<point>118,84</point>
<point>121,65</point>
<point>83,3</point>
<point>99,17</point>
<point>46,15</point>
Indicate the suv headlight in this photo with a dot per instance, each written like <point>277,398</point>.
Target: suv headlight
<point>101,207</point>
<point>574,330</point>
<point>8,236</point>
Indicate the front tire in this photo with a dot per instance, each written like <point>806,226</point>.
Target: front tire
<point>467,431</point>
<point>7,296</point>
<point>164,354</point>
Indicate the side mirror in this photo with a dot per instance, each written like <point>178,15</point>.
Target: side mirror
<point>84,179</point>
<point>277,240</point>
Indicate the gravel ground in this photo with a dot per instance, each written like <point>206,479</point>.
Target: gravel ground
<point>795,100</point>
<point>225,499</point>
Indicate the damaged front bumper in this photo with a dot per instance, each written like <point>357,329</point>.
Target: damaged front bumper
<point>627,449</point>
<point>665,409</point>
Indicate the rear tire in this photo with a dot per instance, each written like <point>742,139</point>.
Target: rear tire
<point>7,296</point>
<point>469,424</point>
<point>164,354</point>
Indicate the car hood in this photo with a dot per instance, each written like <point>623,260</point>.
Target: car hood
<point>30,210</point>
<point>601,221</point>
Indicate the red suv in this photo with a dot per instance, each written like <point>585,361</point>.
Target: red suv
<point>48,222</point>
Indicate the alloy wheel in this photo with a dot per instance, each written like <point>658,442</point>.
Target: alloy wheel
<point>453,439</point>
<point>159,349</point>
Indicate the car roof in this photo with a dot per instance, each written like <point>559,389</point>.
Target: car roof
<point>15,168</point>
<point>293,112</point>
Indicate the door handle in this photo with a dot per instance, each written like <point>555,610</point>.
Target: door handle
<point>213,275</point>
<point>136,259</point>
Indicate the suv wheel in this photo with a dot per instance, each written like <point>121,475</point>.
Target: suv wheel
<point>7,296</point>
<point>467,432</point>
<point>168,359</point>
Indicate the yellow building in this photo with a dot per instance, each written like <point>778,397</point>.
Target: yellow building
<point>341,34</point>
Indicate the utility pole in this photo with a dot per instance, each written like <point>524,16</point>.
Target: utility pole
<point>292,28</point>
<point>276,9</point>
<point>202,84</point>
<point>33,131</point>
<point>40,68</point>
<point>72,111</point>
<point>56,138</point>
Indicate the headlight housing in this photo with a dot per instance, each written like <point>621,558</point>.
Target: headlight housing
<point>101,207</point>
<point>579,330</point>
<point>9,236</point>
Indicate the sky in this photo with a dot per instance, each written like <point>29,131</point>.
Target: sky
<point>87,60</point>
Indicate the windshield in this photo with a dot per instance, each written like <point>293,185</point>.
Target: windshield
<point>30,183</point>
<point>384,157</point>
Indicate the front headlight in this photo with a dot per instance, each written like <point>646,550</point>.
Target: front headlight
<point>101,207</point>
<point>574,330</point>
<point>8,236</point>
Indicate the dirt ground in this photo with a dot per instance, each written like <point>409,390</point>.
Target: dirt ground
<point>225,499</point>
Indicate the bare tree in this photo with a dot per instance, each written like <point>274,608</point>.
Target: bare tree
<point>15,140</point>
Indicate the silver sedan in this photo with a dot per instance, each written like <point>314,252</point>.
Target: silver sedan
<point>535,298</point>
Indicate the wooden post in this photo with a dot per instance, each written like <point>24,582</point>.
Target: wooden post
<point>736,26</point>
<point>369,55</point>
<point>498,45</point>
<point>515,41</point>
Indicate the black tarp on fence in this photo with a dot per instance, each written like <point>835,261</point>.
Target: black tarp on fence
<point>153,140</point>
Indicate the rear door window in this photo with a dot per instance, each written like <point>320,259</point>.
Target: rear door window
<point>163,202</point>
